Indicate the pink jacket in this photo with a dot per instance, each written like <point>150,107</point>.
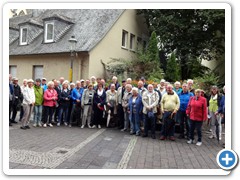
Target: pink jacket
<point>48,95</point>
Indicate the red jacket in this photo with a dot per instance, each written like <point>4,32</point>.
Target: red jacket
<point>197,109</point>
<point>48,95</point>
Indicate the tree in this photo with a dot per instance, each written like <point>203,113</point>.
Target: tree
<point>193,32</point>
<point>172,71</point>
<point>152,48</point>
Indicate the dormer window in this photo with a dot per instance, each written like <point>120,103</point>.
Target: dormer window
<point>49,32</point>
<point>23,36</point>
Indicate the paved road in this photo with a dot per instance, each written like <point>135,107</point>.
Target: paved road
<point>75,148</point>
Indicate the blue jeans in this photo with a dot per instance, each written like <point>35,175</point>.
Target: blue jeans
<point>168,127</point>
<point>63,109</point>
<point>37,114</point>
<point>135,124</point>
<point>196,125</point>
<point>153,123</point>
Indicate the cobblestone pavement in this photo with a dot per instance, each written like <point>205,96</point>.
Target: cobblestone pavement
<point>76,148</point>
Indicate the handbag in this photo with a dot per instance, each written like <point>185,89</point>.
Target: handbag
<point>150,115</point>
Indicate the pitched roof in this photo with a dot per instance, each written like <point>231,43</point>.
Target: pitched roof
<point>88,25</point>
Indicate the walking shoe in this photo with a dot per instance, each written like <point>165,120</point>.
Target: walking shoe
<point>123,130</point>
<point>65,124</point>
<point>34,125</point>
<point>162,138</point>
<point>199,143</point>
<point>70,125</point>
<point>190,141</point>
<point>172,138</point>
<point>27,127</point>
<point>94,126</point>
<point>82,126</point>
<point>144,135</point>
<point>39,124</point>
<point>44,125</point>
<point>137,133</point>
<point>23,128</point>
<point>58,124</point>
<point>10,124</point>
<point>50,125</point>
<point>153,136</point>
<point>14,122</point>
<point>89,126</point>
<point>131,133</point>
<point>99,126</point>
<point>211,137</point>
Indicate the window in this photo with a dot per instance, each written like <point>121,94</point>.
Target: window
<point>23,36</point>
<point>132,41</point>
<point>124,38</point>
<point>49,32</point>
<point>13,71</point>
<point>37,72</point>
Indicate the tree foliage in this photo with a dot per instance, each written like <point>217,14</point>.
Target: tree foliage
<point>173,70</point>
<point>193,32</point>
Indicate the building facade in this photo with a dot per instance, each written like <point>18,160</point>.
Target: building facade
<point>39,47</point>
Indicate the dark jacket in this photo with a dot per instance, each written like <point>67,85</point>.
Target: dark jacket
<point>62,98</point>
<point>17,94</point>
<point>139,107</point>
<point>99,99</point>
<point>221,108</point>
<point>58,91</point>
<point>117,85</point>
<point>159,94</point>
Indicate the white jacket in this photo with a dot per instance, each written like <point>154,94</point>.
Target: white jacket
<point>28,95</point>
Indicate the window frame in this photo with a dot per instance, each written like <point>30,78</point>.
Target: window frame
<point>46,32</point>
<point>132,42</point>
<point>10,68</point>
<point>125,38</point>
<point>21,36</point>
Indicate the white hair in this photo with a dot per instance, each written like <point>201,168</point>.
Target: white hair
<point>177,82</point>
<point>25,80</point>
<point>135,89</point>
<point>114,77</point>
<point>65,82</point>
<point>170,86</point>
<point>129,85</point>
<point>190,80</point>
<point>93,77</point>
<point>50,83</point>
<point>78,82</point>
<point>129,79</point>
<point>72,84</point>
<point>150,85</point>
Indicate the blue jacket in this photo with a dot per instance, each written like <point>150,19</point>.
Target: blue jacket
<point>44,87</point>
<point>139,107</point>
<point>178,91</point>
<point>76,94</point>
<point>221,108</point>
<point>184,99</point>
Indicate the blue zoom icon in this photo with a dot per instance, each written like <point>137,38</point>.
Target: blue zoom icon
<point>227,159</point>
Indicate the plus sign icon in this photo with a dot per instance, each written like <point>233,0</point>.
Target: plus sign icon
<point>227,159</point>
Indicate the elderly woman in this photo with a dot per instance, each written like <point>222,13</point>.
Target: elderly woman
<point>135,108</point>
<point>64,102</point>
<point>197,112</point>
<point>28,104</point>
<point>127,95</point>
<point>213,103</point>
<point>177,87</point>
<point>99,102</point>
<point>111,102</point>
<point>22,89</point>
<point>190,86</point>
<point>50,98</point>
<point>150,100</point>
<point>115,82</point>
<point>86,103</point>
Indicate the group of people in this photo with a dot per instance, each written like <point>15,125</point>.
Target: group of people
<point>89,103</point>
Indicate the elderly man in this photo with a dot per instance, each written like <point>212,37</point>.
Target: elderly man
<point>28,104</point>
<point>76,96</point>
<point>61,80</point>
<point>18,99</point>
<point>127,95</point>
<point>87,83</point>
<point>24,85</point>
<point>150,100</point>
<point>141,88</point>
<point>184,98</point>
<point>93,81</point>
<point>145,85</point>
<point>44,84</point>
<point>120,113</point>
<point>11,98</point>
<point>169,105</point>
<point>190,86</point>
<point>161,87</point>
<point>82,81</point>
<point>129,81</point>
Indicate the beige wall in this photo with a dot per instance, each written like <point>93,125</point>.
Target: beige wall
<point>110,46</point>
<point>54,66</point>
